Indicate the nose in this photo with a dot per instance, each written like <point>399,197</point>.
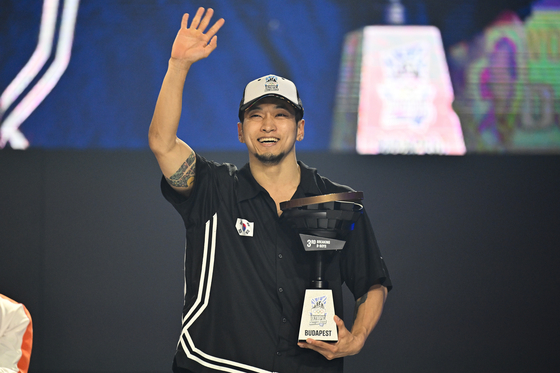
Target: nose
<point>268,124</point>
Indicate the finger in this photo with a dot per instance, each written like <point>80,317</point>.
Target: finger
<point>211,46</point>
<point>323,348</point>
<point>328,350</point>
<point>343,332</point>
<point>339,322</point>
<point>213,43</point>
<point>185,20</point>
<point>215,27</point>
<point>206,20</point>
<point>320,345</point>
<point>308,344</point>
<point>196,20</point>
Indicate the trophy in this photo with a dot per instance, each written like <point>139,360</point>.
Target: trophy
<point>323,222</point>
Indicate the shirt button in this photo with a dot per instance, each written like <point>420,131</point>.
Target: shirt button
<point>284,319</point>
<point>278,353</point>
<point>280,256</point>
<point>280,290</point>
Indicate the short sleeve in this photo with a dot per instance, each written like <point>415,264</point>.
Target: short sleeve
<point>362,265</point>
<point>211,180</point>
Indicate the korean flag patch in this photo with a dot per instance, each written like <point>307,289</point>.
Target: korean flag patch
<point>244,227</point>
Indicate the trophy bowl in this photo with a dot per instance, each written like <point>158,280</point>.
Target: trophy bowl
<point>329,215</point>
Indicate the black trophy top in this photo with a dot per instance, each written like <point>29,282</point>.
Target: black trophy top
<point>328,215</point>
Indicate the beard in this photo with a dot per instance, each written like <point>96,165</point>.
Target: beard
<point>270,159</point>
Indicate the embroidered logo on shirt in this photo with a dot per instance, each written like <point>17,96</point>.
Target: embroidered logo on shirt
<point>244,227</point>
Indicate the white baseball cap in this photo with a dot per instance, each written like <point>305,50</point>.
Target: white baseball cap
<point>266,86</point>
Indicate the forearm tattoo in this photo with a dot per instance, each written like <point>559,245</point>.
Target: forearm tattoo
<point>359,302</point>
<point>184,177</point>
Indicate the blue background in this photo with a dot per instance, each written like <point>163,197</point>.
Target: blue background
<point>106,97</point>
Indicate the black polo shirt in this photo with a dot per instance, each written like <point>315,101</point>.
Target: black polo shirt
<point>246,273</point>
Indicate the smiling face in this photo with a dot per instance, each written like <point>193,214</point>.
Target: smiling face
<point>270,131</point>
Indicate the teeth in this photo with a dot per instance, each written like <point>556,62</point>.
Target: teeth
<point>268,139</point>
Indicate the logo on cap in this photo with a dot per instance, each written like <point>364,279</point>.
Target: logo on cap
<point>271,84</point>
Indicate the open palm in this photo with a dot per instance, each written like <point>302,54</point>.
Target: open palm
<point>192,43</point>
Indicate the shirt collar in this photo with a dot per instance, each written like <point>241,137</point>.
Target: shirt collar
<point>308,183</point>
<point>249,188</point>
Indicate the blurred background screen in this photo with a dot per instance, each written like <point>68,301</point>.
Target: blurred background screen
<point>86,74</point>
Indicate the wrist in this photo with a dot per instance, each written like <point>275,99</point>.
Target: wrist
<point>360,335</point>
<point>178,66</point>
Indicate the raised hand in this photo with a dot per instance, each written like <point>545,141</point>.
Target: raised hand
<point>192,43</point>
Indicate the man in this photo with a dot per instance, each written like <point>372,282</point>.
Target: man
<point>245,268</point>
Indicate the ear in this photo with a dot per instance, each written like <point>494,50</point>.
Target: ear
<point>300,130</point>
<point>240,132</point>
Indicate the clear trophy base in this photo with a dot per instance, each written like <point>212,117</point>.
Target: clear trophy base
<point>317,317</point>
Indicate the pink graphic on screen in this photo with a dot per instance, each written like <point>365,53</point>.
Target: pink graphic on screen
<point>406,94</point>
